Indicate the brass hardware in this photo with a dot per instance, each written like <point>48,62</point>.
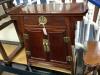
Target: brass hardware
<point>28,53</point>
<point>42,21</point>
<point>46,45</point>
<point>66,39</point>
<point>26,36</point>
<point>69,58</point>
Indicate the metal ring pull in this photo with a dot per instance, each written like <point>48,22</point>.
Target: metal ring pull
<point>42,22</point>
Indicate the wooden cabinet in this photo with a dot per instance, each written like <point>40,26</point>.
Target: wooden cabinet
<point>52,46</point>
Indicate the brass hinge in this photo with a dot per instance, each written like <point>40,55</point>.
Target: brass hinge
<point>69,58</point>
<point>66,39</point>
<point>26,36</point>
<point>28,53</point>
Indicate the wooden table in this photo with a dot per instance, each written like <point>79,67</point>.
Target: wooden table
<point>92,57</point>
<point>51,47</point>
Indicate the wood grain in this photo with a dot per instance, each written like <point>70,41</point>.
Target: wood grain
<point>92,56</point>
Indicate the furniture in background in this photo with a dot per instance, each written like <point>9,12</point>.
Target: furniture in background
<point>6,4</point>
<point>89,56</point>
<point>92,58</point>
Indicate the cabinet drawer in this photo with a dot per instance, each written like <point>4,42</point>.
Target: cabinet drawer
<point>51,20</point>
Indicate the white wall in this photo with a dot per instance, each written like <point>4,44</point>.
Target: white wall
<point>9,32</point>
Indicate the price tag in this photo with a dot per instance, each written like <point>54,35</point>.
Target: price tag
<point>44,31</point>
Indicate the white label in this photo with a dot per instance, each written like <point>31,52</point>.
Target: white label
<point>44,31</point>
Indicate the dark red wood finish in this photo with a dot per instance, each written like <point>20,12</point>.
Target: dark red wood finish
<point>61,19</point>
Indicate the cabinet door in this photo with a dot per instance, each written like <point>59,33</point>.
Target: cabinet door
<point>35,44</point>
<point>58,47</point>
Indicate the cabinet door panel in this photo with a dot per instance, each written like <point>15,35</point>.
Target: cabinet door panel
<point>58,47</point>
<point>35,42</point>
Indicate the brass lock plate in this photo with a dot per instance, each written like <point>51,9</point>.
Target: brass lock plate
<point>42,20</point>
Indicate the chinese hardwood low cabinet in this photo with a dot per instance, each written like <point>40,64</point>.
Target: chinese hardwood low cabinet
<point>48,31</point>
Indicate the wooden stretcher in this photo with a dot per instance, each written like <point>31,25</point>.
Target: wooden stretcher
<point>21,59</point>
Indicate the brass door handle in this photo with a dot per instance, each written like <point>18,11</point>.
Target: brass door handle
<point>46,45</point>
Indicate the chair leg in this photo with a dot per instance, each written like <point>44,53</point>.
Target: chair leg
<point>20,45</point>
<point>20,35</point>
<point>3,53</point>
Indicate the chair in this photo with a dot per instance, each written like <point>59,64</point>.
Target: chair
<point>92,58</point>
<point>88,30</point>
<point>6,4</point>
<point>89,61</point>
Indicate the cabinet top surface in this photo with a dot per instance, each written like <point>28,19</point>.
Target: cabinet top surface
<point>71,8</point>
